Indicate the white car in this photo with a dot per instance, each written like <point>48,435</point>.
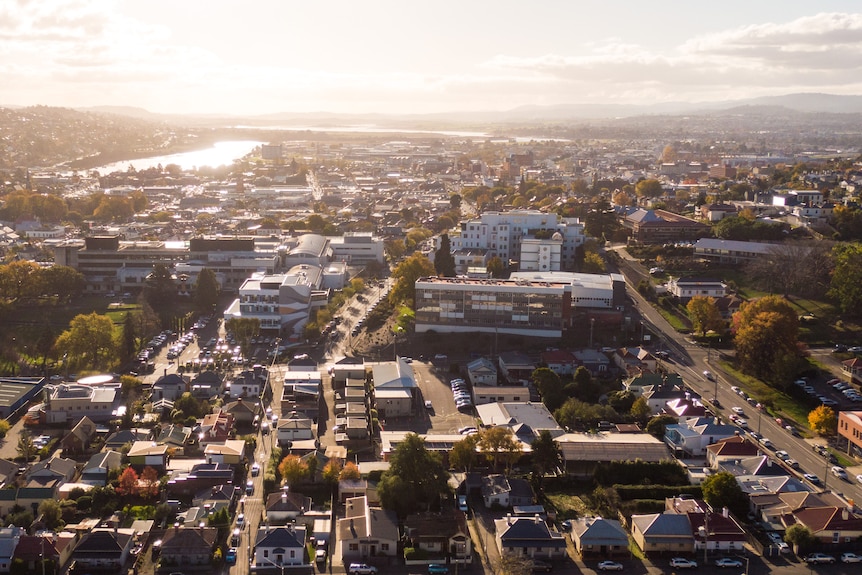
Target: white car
<point>610,566</point>
<point>361,569</point>
<point>728,562</point>
<point>839,472</point>
<point>682,563</point>
<point>851,558</point>
<point>708,375</point>
<point>782,455</point>
<point>738,410</point>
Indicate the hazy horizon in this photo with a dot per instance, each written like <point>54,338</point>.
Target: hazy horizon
<point>389,57</point>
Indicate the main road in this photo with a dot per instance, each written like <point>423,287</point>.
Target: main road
<point>690,360</point>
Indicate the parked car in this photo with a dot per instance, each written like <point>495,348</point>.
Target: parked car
<point>255,469</point>
<point>362,569</point>
<point>436,569</point>
<point>230,556</point>
<point>812,478</point>
<point>728,562</point>
<point>820,559</point>
<point>610,566</point>
<point>541,566</point>
<point>737,410</point>
<point>682,563</point>
<point>851,558</point>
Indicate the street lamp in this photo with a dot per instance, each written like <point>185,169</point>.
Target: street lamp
<point>592,324</point>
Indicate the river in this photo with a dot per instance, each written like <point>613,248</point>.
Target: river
<point>219,154</point>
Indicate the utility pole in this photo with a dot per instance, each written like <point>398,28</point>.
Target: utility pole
<point>592,323</point>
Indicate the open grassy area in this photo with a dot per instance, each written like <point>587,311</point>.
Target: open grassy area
<point>567,505</point>
<point>672,319</point>
<point>778,404</point>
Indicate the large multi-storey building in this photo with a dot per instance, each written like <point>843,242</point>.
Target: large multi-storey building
<point>504,235</point>
<point>543,305</point>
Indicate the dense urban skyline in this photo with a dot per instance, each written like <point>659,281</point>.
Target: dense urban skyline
<point>387,57</point>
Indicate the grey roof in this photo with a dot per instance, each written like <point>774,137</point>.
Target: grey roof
<point>309,244</point>
<point>663,525</point>
<point>288,538</point>
<point>600,531</point>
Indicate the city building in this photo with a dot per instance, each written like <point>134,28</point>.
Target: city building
<point>69,402</point>
<point>850,428</point>
<point>357,248</point>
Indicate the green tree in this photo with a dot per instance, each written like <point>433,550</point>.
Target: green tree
<point>159,288</point>
<point>243,329</point>
<point>640,409</point>
<point>25,448</point>
<point>206,291</point>
<point>800,537</point>
<point>593,263</point>
<point>704,314</point>
<point>722,490</point>
<point>5,426</point>
<point>765,337</point>
<point>129,341</point>
<point>316,223</point>
<point>823,421</point>
<point>350,472</point>
<point>455,201</point>
<point>657,425</point>
<point>496,442</point>
<point>496,268</point>
<point>406,274</point>
<point>550,387</point>
<point>331,471</point>
<point>49,511</point>
<point>415,479</point>
<point>64,281</point>
<point>622,401</point>
<point>600,221</point>
<point>546,454</point>
<point>846,283</point>
<point>444,262</point>
<point>89,337</point>
<point>649,188</point>
<point>463,454</point>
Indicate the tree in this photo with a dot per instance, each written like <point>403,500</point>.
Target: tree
<point>206,291</point>
<point>25,448</point>
<point>846,284</point>
<point>822,420</point>
<point>546,453</point>
<point>444,262</point>
<point>514,564</point>
<point>656,426</point>
<point>640,409</point>
<point>765,336</point>
<point>129,341</point>
<point>601,220</point>
<point>5,426</point>
<point>455,201</point>
<point>463,454</point>
<point>89,337</point>
<point>550,387</point>
<point>649,188</point>
<point>496,268</point>
<point>159,288</point>
<point>350,472</point>
<point>128,482</point>
<point>64,281</point>
<point>621,400</point>
<point>414,473</point>
<point>316,223</point>
<point>593,263</point>
<point>50,512</point>
<point>331,472</point>
<point>148,484</point>
<point>800,537</point>
<point>498,441</point>
<point>243,329</point>
<point>293,470</point>
<point>406,273</point>
<point>722,490</point>
<point>704,314</point>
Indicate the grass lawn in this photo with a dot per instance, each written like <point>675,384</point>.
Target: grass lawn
<point>672,319</point>
<point>782,405</point>
<point>568,505</point>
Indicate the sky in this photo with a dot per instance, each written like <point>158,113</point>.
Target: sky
<point>412,57</point>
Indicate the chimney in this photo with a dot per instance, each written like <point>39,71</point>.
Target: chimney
<point>283,497</point>
<point>725,512</point>
<point>537,519</point>
<point>845,514</point>
<point>166,372</point>
<point>508,518</point>
<point>176,527</point>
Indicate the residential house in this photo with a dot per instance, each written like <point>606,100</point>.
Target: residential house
<point>67,402</point>
<point>188,547</point>
<point>500,491</point>
<point>351,488</point>
<point>500,394</point>
<point>77,441</point>
<point>444,536</point>
<point>711,530</point>
<point>148,454</point>
<point>200,476</point>
<point>663,533</point>
<point>207,384</point>
<point>692,435</point>
<point>599,537</point>
<point>294,428</point>
<point>594,361</point>
<point>853,369</point>
<point>170,386</point>
<point>97,469</point>
<point>366,531</point>
<point>54,547</point>
<point>279,546</point>
<point>247,384</point>
<point>225,494</point>
<point>481,371</point>
<point>561,362</point>
<point>686,288</point>
<point>243,410</point>
<point>176,437</point>
<point>633,361</point>
<point>104,549</point>
<point>730,449</point>
<point>127,436</point>
<point>529,537</point>
<point>661,226</point>
<point>216,428</point>
<point>282,507</point>
<point>516,367</point>
<point>53,468</point>
<point>230,451</point>
<point>840,526</point>
<point>9,538</point>
<point>583,452</point>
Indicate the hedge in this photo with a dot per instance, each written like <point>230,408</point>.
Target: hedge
<point>629,492</point>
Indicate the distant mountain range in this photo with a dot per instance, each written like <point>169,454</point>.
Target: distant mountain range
<point>801,102</point>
